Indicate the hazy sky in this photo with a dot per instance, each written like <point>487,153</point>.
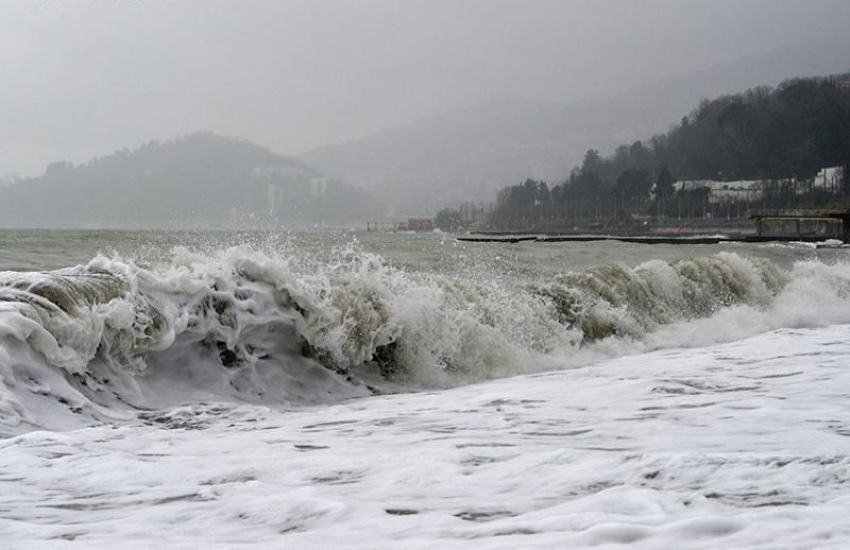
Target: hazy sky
<point>86,77</point>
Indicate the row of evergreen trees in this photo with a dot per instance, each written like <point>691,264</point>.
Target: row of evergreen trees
<point>780,136</point>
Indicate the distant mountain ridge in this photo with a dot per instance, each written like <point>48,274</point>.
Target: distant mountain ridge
<point>468,154</point>
<point>202,180</point>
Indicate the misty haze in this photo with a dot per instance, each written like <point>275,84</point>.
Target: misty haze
<point>420,107</point>
<point>424,274</point>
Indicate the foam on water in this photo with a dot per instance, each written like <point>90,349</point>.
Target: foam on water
<point>737,445</point>
<point>204,401</point>
<point>102,339</point>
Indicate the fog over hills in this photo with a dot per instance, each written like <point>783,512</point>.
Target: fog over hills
<point>469,154</point>
<point>201,180</point>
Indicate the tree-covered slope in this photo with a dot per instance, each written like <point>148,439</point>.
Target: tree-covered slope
<point>201,178</point>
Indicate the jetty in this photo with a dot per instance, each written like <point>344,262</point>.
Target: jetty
<point>788,224</point>
<point>801,223</point>
<point>643,239</point>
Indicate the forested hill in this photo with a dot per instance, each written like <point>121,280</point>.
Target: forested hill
<point>470,153</point>
<point>783,134</point>
<point>792,130</point>
<point>201,179</point>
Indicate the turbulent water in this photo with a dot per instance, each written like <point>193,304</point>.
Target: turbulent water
<point>332,389</point>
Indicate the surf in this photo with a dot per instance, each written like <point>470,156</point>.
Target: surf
<point>112,337</point>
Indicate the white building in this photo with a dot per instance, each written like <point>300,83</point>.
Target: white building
<point>829,179</point>
<point>722,192</point>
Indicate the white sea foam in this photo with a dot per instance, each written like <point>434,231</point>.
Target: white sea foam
<point>259,327</point>
<point>258,397</point>
<point>737,445</point>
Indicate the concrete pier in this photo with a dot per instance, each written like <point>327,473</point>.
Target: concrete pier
<point>802,223</point>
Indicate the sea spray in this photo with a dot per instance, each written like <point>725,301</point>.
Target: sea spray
<point>248,325</point>
<point>615,300</point>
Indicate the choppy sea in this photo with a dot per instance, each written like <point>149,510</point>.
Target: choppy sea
<point>190,390</point>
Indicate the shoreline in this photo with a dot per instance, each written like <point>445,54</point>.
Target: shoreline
<point>644,239</point>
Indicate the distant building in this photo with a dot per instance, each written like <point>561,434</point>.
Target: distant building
<point>471,212</point>
<point>829,179</point>
<point>420,224</point>
<point>319,185</point>
<point>722,192</point>
<point>289,188</point>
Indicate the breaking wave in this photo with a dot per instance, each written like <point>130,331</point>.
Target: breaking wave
<point>112,337</point>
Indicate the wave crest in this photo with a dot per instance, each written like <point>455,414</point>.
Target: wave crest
<point>260,326</point>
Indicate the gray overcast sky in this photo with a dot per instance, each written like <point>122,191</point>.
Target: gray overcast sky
<point>86,77</point>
